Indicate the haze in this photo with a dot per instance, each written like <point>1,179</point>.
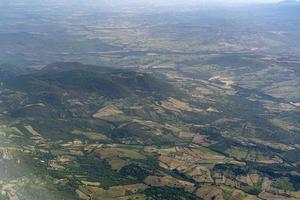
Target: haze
<point>149,100</point>
<point>139,2</point>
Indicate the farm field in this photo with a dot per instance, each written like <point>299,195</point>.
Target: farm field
<point>128,101</point>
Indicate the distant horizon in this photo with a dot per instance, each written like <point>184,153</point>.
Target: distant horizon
<point>153,2</point>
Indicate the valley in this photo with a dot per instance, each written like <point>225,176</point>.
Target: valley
<point>149,104</point>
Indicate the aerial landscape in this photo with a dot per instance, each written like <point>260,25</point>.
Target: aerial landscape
<point>149,100</point>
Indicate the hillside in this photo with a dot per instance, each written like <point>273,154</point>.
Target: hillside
<point>101,100</point>
<point>79,80</point>
<point>106,131</point>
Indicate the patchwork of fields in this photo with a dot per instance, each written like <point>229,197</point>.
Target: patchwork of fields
<point>169,105</point>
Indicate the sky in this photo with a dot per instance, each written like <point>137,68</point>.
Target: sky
<point>160,1</point>
<point>126,3</point>
<point>192,1</point>
<point>216,1</point>
<point>183,2</point>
